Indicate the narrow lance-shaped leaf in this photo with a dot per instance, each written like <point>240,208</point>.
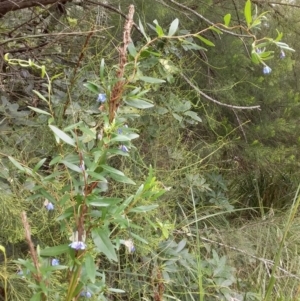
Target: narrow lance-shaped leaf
<point>227,19</point>
<point>16,163</point>
<point>143,30</point>
<point>248,13</point>
<point>205,41</point>
<point>173,27</point>
<point>158,29</point>
<point>151,80</point>
<point>54,251</point>
<point>90,267</point>
<point>40,95</point>
<point>138,103</point>
<point>104,244</point>
<point>39,110</point>
<point>62,135</point>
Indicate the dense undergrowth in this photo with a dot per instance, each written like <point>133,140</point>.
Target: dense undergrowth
<point>212,215</point>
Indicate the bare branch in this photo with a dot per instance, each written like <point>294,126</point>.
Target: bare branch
<point>9,5</point>
<point>208,21</point>
<point>216,101</point>
<point>116,11</point>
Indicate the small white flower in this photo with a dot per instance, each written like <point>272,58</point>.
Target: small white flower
<point>129,245</point>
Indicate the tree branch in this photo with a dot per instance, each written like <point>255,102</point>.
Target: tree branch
<point>209,22</point>
<point>215,101</point>
<point>9,5</point>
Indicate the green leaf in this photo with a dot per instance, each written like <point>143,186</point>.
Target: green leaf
<point>90,267</point>
<point>55,160</point>
<point>279,36</point>
<point>40,95</point>
<point>104,244</point>
<point>62,135</point>
<point>143,30</point>
<point>16,163</point>
<point>39,110</point>
<point>151,80</point>
<point>227,19</point>
<point>140,209</point>
<point>138,103</point>
<point>132,49</point>
<point>36,297</point>
<point>92,87</point>
<point>248,13</point>
<point>96,176</point>
<point>204,40</point>
<point>180,246</point>
<point>158,29</point>
<point>122,179</point>
<point>193,115</point>
<point>71,166</point>
<point>176,116</point>
<point>73,126</point>
<point>104,202</point>
<point>255,57</point>
<point>213,28</point>
<point>39,164</point>
<point>55,251</point>
<point>116,290</point>
<point>120,138</point>
<point>173,27</point>
<point>112,170</point>
<point>266,54</point>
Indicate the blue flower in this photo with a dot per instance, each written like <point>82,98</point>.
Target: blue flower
<point>282,54</point>
<point>78,245</point>
<point>124,148</point>
<point>49,206</point>
<point>258,51</point>
<point>54,262</point>
<point>267,70</point>
<point>101,98</point>
<point>86,294</point>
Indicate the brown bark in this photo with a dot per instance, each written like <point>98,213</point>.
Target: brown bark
<point>12,5</point>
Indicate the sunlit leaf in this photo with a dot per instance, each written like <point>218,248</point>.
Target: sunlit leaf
<point>205,41</point>
<point>227,19</point>
<point>62,135</point>
<point>39,110</point>
<point>143,208</point>
<point>151,80</point>
<point>40,95</point>
<point>248,13</point>
<point>173,27</point>
<point>71,166</point>
<point>158,29</point>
